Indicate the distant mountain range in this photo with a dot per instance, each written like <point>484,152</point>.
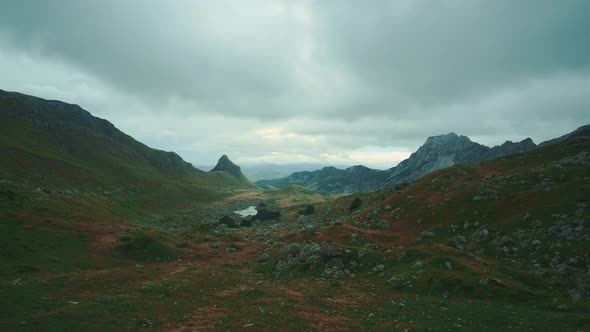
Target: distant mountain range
<point>269,171</point>
<point>52,143</point>
<point>436,153</point>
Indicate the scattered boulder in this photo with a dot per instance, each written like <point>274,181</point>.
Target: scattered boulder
<point>334,272</point>
<point>229,222</point>
<point>302,219</point>
<point>247,222</point>
<point>379,268</point>
<point>265,214</point>
<point>7,195</point>
<point>448,265</point>
<point>263,257</point>
<point>426,235</point>
<point>329,253</point>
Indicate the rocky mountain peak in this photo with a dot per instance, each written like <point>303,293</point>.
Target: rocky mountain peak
<point>225,164</point>
<point>450,139</point>
<point>447,144</point>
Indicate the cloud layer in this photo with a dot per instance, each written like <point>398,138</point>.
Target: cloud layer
<point>320,81</point>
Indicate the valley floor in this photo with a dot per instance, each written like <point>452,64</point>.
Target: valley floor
<point>500,246</point>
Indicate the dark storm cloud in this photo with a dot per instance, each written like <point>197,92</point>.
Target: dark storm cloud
<point>342,76</point>
<point>188,49</point>
<point>436,52</point>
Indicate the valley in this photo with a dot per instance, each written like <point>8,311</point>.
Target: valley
<point>104,233</point>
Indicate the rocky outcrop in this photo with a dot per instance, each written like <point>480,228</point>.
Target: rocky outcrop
<point>443,151</point>
<point>226,165</point>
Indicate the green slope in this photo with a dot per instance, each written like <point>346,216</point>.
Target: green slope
<point>57,145</point>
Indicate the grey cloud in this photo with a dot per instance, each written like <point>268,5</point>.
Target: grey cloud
<point>352,75</point>
<point>449,51</point>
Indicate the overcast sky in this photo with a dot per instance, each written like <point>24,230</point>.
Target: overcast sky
<point>343,82</point>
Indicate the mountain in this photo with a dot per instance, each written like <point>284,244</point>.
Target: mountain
<point>96,224</point>
<point>332,180</point>
<point>443,151</point>
<point>226,165</point>
<point>268,171</point>
<point>50,143</point>
<point>436,153</point>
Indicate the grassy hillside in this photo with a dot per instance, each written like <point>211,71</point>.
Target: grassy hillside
<point>498,246</point>
<point>58,146</point>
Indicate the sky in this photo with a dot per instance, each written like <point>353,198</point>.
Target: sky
<point>287,81</point>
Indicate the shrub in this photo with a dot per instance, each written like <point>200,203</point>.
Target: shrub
<point>355,204</point>
<point>309,209</point>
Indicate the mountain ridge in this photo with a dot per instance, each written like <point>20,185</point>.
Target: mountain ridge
<point>437,152</point>
<point>53,143</point>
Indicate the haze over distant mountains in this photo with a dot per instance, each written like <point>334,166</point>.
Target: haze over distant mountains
<point>269,171</point>
<point>436,153</point>
<point>82,202</point>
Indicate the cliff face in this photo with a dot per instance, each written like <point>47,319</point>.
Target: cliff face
<point>443,151</point>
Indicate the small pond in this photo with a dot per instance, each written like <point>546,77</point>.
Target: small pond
<point>250,211</point>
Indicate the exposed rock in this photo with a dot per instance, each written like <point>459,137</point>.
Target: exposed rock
<point>263,257</point>
<point>379,268</point>
<point>229,222</point>
<point>226,165</point>
<point>438,152</point>
<point>7,194</point>
<point>426,235</point>
<point>265,214</point>
<point>335,272</point>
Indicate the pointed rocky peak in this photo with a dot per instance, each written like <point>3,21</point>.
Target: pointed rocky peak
<point>225,164</point>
